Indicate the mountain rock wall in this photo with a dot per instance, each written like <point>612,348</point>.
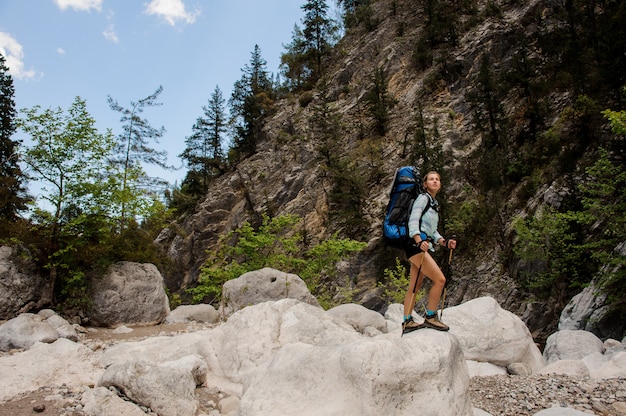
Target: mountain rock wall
<point>287,174</point>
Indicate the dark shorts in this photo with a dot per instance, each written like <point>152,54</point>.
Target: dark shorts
<point>411,248</point>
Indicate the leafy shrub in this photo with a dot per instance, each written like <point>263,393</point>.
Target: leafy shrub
<point>305,99</point>
<point>395,283</point>
<point>277,243</point>
<point>550,246</point>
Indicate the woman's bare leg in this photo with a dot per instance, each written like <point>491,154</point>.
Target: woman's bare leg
<point>415,283</point>
<point>429,268</point>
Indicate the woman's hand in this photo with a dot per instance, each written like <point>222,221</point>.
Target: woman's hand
<point>451,243</point>
<point>423,245</point>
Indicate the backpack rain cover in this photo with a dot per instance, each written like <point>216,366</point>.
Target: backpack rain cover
<point>405,188</point>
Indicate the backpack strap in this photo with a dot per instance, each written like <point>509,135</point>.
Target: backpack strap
<point>430,203</point>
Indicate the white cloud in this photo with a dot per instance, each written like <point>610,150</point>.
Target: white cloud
<point>61,51</point>
<point>11,49</point>
<point>172,11</point>
<point>80,5</point>
<point>110,34</point>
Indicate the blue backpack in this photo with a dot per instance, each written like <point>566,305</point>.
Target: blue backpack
<point>405,188</point>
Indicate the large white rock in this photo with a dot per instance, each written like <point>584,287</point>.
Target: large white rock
<point>168,390</point>
<point>595,361</point>
<point>359,317</point>
<point>62,362</point>
<point>272,325</point>
<point>62,326</point>
<point>614,368</point>
<point>571,345</point>
<point>20,283</point>
<point>249,339</point>
<point>488,333</point>
<point>263,285</point>
<point>129,293</point>
<point>476,368</point>
<point>101,401</point>
<point>416,374</point>
<point>193,313</point>
<point>25,330</point>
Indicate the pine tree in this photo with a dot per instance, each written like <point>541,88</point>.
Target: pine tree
<point>318,34</point>
<point>133,149</point>
<point>303,63</point>
<point>13,197</point>
<point>379,102</point>
<point>351,9</point>
<point>203,151</point>
<point>251,100</point>
<point>292,62</point>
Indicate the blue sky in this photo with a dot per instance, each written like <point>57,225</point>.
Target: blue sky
<point>59,49</point>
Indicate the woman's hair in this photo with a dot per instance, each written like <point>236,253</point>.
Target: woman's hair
<point>430,173</point>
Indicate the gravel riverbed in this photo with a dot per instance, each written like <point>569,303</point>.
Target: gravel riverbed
<point>526,395</point>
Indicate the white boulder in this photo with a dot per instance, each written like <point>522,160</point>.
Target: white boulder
<point>359,317</point>
<point>193,313</point>
<point>574,368</point>
<point>423,375</point>
<point>101,401</point>
<point>61,362</point>
<point>571,345</point>
<point>488,333</point>
<point>25,330</point>
<point>613,368</point>
<point>20,284</point>
<point>128,294</point>
<point>261,286</point>
<point>169,391</point>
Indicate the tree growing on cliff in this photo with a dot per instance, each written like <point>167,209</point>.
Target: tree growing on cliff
<point>378,100</point>
<point>251,101</point>
<point>203,149</point>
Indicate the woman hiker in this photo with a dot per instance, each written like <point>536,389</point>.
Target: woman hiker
<point>423,230</point>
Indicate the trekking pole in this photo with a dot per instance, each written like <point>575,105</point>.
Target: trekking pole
<point>443,297</point>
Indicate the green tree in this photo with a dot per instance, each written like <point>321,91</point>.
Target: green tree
<point>523,77</point>
<point>133,149</point>
<point>292,62</point>
<point>487,104</point>
<point>318,33</point>
<point>604,203</point>
<point>554,259</point>
<point>354,11</point>
<point>441,22</point>
<point>564,250</point>
<point>379,102</point>
<point>251,101</point>
<point>427,150</point>
<point>347,184</point>
<point>203,151</point>
<point>13,197</point>
<point>490,161</point>
<point>69,157</point>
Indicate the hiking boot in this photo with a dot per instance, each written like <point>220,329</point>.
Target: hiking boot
<point>434,323</point>
<point>410,325</point>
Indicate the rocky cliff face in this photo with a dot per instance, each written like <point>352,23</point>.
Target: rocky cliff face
<point>287,175</point>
